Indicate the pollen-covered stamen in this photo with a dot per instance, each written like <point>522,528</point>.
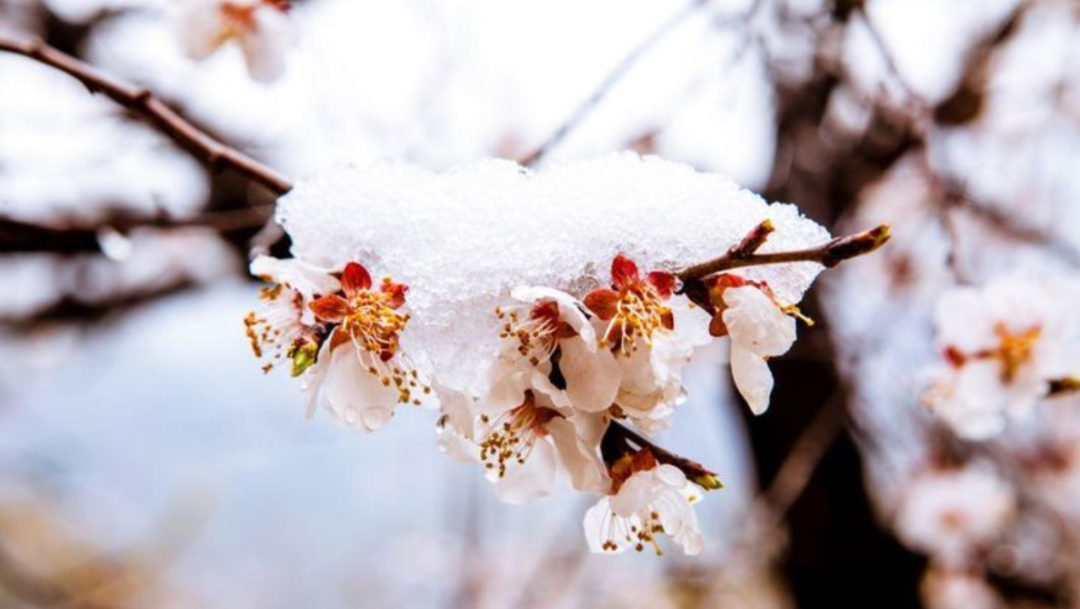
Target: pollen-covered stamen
<point>373,324</point>
<point>639,313</point>
<point>510,437</point>
<point>371,320</point>
<point>535,333</point>
<point>634,307</point>
<point>1013,352</point>
<point>275,330</point>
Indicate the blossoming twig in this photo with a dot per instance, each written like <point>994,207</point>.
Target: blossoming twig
<point>142,102</point>
<point>828,255</point>
<point>696,472</point>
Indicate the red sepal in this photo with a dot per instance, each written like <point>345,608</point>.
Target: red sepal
<point>624,271</point>
<point>330,309</point>
<point>355,279</point>
<point>603,302</point>
<point>664,283</point>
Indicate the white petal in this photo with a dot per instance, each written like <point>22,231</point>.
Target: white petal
<point>314,377</point>
<point>571,310</point>
<point>601,524</point>
<point>508,382</point>
<point>964,320</point>
<point>266,47</point>
<point>305,278</point>
<point>637,371</point>
<point>592,378</point>
<point>529,481</point>
<point>582,462</point>
<point>752,377</point>
<point>755,322</point>
<point>591,426</point>
<point>354,395</point>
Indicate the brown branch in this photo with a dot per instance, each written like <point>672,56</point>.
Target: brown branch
<point>621,70</point>
<point>828,254</point>
<point>142,102</point>
<point>18,236</point>
<point>73,309</point>
<point>694,471</point>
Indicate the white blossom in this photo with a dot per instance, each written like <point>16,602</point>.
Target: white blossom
<point>261,28</point>
<point>361,373</point>
<point>526,448</point>
<point>947,589</point>
<point>549,346</point>
<point>654,500</point>
<point>1004,344</point>
<point>759,329</point>
<point>950,513</point>
<point>281,328</point>
<point>652,334</point>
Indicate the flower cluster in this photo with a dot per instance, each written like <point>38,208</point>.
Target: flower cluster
<point>569,375</point>
<point>341,333</point>
<point>261,28</point>
<point>1006,347</point>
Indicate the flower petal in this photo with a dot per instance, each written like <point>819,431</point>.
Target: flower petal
<point>354,395</point>
<point>752,377</point>
<point>755,322</point>
<point>592,377</point>
<point>301,276</point>
<point>583,464</point>
<point>529,481</point>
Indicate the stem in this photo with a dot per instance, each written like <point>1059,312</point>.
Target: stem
<point>694,471</point>
<point>140,101</point>
<point>828,254</point>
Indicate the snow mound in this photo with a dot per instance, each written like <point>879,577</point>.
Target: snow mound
<point>462,239</point>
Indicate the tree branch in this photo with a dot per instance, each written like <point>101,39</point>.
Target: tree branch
<point>585,108</point>
<point>141,102</point>
<point>17,236</point>
<point>828,255</point>
<point>694,471</point>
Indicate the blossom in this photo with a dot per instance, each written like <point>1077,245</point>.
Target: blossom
<point>950,513</point>
<point>549,345</point>
<point>1005,346</point>
<point>283,327</point>
<point>759,328</point>
<point>260,27</point>
<point>362,373</point>
<point>526,448</point>
<point>946,589</point>
<point>652,335</point>
<point>647,500</point>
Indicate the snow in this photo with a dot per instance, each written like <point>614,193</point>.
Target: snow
<point>464,238</point>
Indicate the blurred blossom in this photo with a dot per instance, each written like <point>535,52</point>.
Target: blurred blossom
<point>953,513</point>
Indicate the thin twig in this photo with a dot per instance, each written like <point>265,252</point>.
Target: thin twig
<point>828,254</point>
<point>143,103</point>
<point>621,70</point>
<point>693,470</point>
<point>18,236</point>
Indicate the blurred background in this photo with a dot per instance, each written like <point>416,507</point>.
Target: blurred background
<point>145,460</point>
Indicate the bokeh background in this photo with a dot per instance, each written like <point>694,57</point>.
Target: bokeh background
<point>145,460</point>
